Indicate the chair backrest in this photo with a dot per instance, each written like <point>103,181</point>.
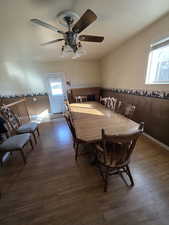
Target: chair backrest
<point>80,99</point>
<point>118,106</point>
<point>113,102</point>
<point>69,121</point>
<point>4,133</point>
<point>67,105</point>
<point>103,100</point>
<point>11,117</point>
<point>85,98</point>
<point>129,111</point>
<point>108,103</point>
<point>118,148</point>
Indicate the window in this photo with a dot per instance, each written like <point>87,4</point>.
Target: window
<point>158,63</point>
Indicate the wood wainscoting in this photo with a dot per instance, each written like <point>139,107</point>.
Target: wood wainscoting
<point>92,93</point>
<point>153,111</point>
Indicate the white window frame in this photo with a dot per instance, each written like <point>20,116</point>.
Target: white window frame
<point>149,78</point>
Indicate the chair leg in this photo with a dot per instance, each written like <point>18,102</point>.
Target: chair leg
<point>23,156</point>
<point>74,144</point>
<point>122,177</point>
<point>129,175</point>
<point>76,150</point>
<point>31,143</point>
<point>100,170</point>
<point>1,162</point>
<point>34,138</point>
<point>106,179</point>
<point>38,131</point>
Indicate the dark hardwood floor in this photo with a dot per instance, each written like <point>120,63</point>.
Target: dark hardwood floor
<point>52,189</point>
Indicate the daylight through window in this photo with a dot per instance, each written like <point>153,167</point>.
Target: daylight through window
<point>158,64</point>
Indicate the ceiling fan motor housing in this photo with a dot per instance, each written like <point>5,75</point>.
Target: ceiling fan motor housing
<point>71,39</point>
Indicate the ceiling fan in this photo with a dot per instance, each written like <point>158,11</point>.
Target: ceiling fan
<point>72,38</point>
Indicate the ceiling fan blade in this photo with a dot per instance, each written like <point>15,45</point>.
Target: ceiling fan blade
<point>86,19</point>
<point>91,38</point>
<point>51,42</point>
<point>44,24</point>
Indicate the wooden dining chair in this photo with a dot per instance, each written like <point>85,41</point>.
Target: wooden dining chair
<point>84,98</point>
<point>80,99</point>
<point>113,102</point>
<point>103,100</point>
<point>16,125</point>
<point>14,143</point>
<point>114,152</point>
<point>118,106</point>
<point>108,102</point>
<point>76,141</point>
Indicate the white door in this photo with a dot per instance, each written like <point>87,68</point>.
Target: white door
<point>56,92</point>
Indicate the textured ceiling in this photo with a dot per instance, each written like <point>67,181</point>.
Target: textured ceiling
<point>117,21</point>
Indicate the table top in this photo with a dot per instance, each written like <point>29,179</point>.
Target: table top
<point>90,117</point>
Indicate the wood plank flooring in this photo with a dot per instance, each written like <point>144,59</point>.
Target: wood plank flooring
<point>52,189</point>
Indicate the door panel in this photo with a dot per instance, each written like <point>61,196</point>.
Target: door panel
<point>56,93</point>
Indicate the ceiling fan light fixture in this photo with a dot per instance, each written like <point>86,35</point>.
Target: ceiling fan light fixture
<point>67,51</point>
<point>76,55</point>
<point>80,50</point>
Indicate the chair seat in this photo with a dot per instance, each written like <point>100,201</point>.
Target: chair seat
<point>27,128</point>
<point>15,142</point>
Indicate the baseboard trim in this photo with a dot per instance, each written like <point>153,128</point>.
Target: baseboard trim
<point>166,147</point>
